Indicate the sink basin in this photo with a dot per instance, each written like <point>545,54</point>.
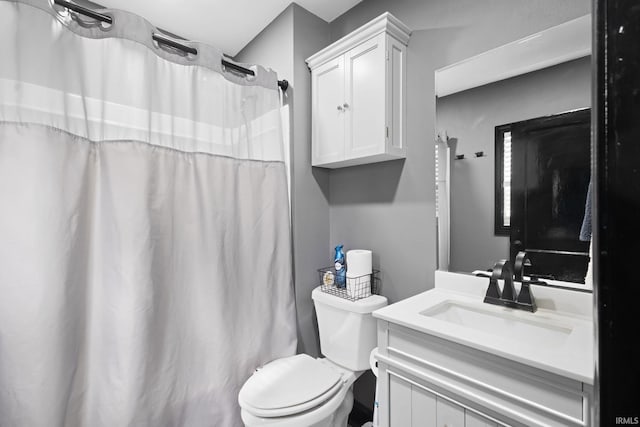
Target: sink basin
<point>517,326</point>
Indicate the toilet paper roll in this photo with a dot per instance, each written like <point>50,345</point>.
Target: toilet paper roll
<point>359,262</point>
<point>373,361</point>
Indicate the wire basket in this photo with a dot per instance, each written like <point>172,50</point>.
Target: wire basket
<point>353,288</point>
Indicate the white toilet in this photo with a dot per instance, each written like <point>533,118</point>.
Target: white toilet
<point>300,391</point>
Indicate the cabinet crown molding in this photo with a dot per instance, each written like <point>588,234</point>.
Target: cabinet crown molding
<point>383,23</point>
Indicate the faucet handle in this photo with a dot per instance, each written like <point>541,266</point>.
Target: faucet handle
<point>506,272</point>
<point>526,299</point>
<point>493,291</point>
<point>522,261</point>
<point>501,270</point>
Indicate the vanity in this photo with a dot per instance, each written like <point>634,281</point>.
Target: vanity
<point>445,358</point>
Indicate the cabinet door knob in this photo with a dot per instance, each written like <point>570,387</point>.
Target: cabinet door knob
<point>345,105</point>
<point>339,108</point>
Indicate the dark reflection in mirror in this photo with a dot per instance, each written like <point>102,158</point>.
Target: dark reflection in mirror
<point>542,176</point>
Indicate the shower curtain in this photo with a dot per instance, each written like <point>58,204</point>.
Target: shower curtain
<point>145,261</point>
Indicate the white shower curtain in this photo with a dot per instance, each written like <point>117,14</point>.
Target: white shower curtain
<point>145,262</point>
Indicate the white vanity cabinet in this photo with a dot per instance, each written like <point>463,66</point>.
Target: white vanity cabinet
<point>358,96</point>
<point>425,380</point>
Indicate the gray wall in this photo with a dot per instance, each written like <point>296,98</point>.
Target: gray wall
<point>470,118</point>
<point>284,45</point>
<point>273,47</point>
<point>310,185</point>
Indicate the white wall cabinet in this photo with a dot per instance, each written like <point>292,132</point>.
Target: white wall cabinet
<point>425,381</point>
<point>358,96</point>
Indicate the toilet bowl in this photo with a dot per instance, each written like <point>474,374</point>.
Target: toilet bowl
<point>301,391</point>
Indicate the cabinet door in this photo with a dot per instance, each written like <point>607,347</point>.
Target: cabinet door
<point>400,402</point>
<point>328,112</point>
<point>410,405</point>
<point>396,96</point>
<point>449,414</point>
<point>471,419</point>
<point>423,407</point>
<point>365,71</point>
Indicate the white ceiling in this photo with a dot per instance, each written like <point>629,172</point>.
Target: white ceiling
<point>227,24</point>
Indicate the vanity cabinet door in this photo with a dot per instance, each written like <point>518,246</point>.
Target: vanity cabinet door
<point>449,414</point>
<point>423,407</point>
<point>409,405</point>
<point>400,402</point>
<point>471,419</point>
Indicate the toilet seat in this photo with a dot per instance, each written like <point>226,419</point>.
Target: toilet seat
<point>291,385</point>
<point>341,401</point>
<point>294,409</point>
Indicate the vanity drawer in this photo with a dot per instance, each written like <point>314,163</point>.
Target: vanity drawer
<point>528,395</point>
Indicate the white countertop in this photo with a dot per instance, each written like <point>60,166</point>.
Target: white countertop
<point>570,357</point>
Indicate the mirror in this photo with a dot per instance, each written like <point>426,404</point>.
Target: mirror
<point>513,156</point>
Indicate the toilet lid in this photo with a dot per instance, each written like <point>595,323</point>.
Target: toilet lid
<point>288,382</point>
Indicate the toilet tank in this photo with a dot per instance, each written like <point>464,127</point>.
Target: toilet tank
<point>347,329</point>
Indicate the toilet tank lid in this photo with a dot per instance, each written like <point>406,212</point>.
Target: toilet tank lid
<point>363,306</point>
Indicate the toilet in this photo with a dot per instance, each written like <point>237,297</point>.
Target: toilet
<point>301,391</point>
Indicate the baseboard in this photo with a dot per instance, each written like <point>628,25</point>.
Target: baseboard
<point>360,414</point>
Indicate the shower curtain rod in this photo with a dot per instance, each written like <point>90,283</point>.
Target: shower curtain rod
<point>283,84</point>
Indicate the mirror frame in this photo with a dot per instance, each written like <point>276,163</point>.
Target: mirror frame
<point>562,43</point>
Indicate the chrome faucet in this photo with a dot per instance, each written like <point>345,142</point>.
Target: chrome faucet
<point>507,297</point>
